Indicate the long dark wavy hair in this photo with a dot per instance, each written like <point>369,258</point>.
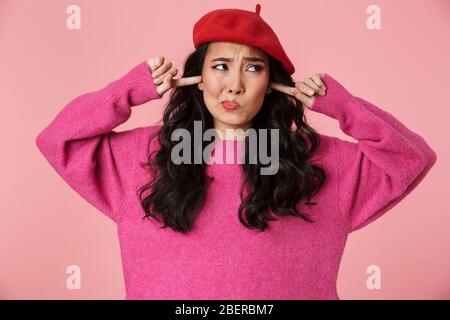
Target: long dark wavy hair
<point>177,192</point>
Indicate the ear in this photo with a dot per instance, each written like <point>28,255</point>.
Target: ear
<point>269,87</point>
<point>200,85</point>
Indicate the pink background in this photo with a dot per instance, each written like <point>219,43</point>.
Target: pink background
<point>45,226</point>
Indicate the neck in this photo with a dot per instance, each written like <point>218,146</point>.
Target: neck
<point>231,134</point>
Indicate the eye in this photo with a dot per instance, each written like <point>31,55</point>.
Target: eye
<point>222,64</point>
<point>258,67</point>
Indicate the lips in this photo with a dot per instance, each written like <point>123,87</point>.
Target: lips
<point>230,105</point>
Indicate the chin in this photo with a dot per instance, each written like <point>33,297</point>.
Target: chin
<point>233,124</point>
<point>232,120</point>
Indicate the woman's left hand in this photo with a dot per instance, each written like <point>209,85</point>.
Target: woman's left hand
<point>305,90</point>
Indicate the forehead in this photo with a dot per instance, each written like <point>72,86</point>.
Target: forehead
<point>230,49</point>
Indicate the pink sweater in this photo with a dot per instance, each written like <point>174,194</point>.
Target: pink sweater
<point>222,259</point>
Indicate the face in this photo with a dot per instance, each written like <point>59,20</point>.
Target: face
<point>238,72</point>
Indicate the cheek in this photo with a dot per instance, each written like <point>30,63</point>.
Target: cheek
<point>212,87</point>
<point>257,94</point>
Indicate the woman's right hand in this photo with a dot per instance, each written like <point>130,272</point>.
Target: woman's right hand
<point>163,73</point>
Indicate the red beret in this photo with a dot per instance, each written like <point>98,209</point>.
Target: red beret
<point>240,26</point>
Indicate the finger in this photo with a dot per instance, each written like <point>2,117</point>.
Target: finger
<point>187,81</point>
<point>305,88</point>
<point>165,84</point>
<point>160,79</point>
<point>281,87</point>
<point>167,79</point>
<point>155,63</point>
<point>312,84</point>
<point>292,91</point>
<point>162,69</point>
<point>303,98</point>
<point>317,79</point>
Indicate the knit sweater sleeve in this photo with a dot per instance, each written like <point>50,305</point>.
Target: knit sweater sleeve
<point>383,167</point>
<point>82,147</point>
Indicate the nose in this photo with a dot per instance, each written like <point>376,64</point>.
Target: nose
<point>236,85</point>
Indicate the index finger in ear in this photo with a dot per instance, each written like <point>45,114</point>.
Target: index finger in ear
<point>282,88</point>
<point>187,81</point>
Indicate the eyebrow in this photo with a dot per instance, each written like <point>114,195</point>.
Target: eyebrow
<point>254,59</point>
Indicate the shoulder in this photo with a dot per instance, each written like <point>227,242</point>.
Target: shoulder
<point>325,148</point>
<point>150,130</point>
<point>148,135</point>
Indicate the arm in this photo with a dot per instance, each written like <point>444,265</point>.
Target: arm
<point>82,147</point>
<point>383,167</point>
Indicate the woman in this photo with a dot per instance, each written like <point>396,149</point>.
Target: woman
<point>224,231</point>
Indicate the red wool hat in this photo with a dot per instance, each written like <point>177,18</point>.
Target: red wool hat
<point>240,26</point>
